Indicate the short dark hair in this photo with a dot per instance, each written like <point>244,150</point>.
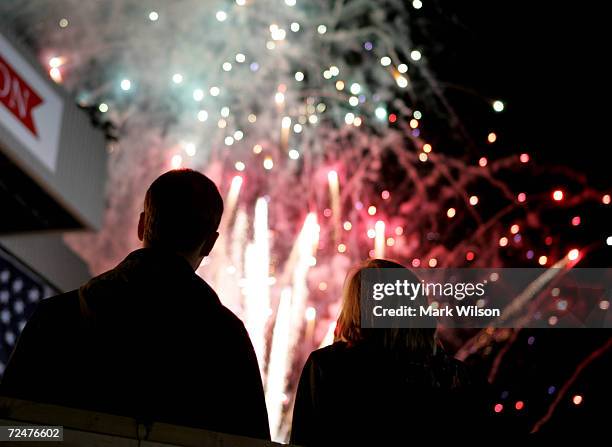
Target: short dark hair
<point>182,209</point>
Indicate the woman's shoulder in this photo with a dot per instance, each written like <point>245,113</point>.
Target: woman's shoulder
<point>329,354</point>
<point>341,355</point>
<point>332,350</point>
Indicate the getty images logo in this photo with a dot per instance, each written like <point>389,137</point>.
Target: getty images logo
<point>412,289</point>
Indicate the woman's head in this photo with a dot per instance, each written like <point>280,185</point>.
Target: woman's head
<point>349,327</point>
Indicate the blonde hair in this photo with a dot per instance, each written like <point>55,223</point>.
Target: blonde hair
<point>348,327</point>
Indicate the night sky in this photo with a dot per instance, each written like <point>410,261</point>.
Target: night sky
<point>546,61</point>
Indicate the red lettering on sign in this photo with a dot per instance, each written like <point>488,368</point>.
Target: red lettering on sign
<point>17,96</point>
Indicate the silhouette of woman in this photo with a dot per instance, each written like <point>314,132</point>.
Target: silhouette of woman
<point>381,386</point>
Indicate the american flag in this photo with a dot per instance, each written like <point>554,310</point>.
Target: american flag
<point>20,290</point>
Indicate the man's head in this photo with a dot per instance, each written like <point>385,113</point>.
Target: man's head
<point>182,212</point>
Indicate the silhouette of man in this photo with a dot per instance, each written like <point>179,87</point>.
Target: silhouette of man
<point>149,338</point>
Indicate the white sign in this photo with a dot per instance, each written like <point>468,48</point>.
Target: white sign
<point>29,108</point>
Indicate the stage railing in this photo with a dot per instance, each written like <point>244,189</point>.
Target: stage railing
<point>86,428</point>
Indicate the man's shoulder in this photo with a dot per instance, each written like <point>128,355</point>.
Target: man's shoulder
<point>223,313</point>
<point>63,304</point>
<point>55,315</point>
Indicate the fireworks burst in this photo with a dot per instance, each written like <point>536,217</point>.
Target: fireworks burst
<point>312,117</point>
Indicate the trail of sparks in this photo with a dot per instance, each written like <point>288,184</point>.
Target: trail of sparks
<point>278,364</point>
<point>257,290</point>
<point>476,342</point>
<point>289,321</point>
<point>567,385</point>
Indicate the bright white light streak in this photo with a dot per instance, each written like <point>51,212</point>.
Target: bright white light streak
<point>285,129</point>
<point>307,243</point>
<point>329,336</point>
<point>278,365</point>
<point>379,239</point>
<point>257,291</point>
<point>334,198</point>
<point>295,272</point>
<point>232,195</point>
<point>228,284</point>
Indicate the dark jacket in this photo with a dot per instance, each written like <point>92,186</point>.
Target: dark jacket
<point>148,339</point>
<point>368,395</point>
